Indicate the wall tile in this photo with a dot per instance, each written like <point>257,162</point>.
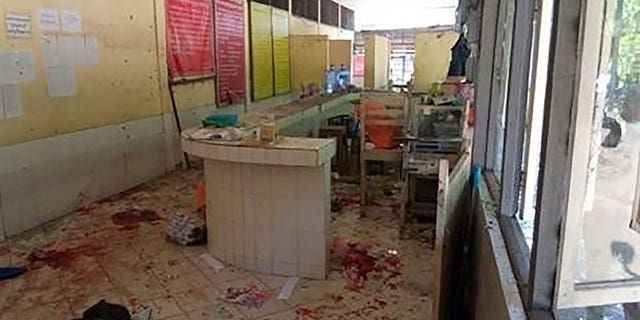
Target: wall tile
<point>312,215</point>
<point>283,181</point>
<point>285,269</point>
<point>264,244</point>
<point>264,266</point>
<point>318,272</point>
<point>285,246</point>
<point>262,180</point>
<point>249,233</point>
<point>284,213</point>
<point>263,206</point>
<point>312,248</point>
<point>248,209</point>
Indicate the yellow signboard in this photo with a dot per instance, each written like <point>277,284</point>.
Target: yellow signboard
<point>280,24</point>
<point>261,51</point>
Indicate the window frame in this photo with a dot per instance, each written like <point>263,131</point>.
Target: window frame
<point>546,274</point>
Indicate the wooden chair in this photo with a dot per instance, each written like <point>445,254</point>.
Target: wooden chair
<point>394,115</point>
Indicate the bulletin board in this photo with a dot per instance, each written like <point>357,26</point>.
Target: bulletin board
<point>261,51</point>
<point>280,25</point>
<point>190,39</point>
<point>230,51</point>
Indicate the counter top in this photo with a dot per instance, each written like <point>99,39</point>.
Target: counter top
<point>288,151</point>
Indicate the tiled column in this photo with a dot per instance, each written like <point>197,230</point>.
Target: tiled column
<point>270,218</point>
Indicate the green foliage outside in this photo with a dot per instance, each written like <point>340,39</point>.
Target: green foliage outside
<point>629,46</point>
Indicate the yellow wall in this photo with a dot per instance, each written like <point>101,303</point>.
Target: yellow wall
<point>261,51</point>
<point>281,52</point>
<point>114,91</point>
<point>128,83</point>
<point>299,25</point>
<point>340,53</point>
<point>309,59</point>
<point>433,54</point>
<point>376,62</point>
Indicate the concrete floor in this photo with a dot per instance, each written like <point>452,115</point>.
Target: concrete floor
<point>607,225</point>
<point>85,257</point>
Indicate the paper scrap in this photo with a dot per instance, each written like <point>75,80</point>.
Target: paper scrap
<point>18,24</point>
<point>17,67</point>
<point>12,101</point>
<point>70,21</point>
<point>48,20</point>
<point>61,81</point>
<point>287,289</point>
<point>212,262</point>
<point>90,54</point>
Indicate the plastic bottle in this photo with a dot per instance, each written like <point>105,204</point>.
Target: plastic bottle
<point>331,80</point>
<point>343,78</point>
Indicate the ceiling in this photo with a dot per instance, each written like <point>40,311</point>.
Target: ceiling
<point>399,14</point>
<point>359,4</point>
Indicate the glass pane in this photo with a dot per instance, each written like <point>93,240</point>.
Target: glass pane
<point>535,115</point>
<point>609,247</point>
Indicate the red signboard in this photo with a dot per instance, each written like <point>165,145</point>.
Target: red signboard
<point>230,49</point>
<point>358,65</point>
<point>190,39</point>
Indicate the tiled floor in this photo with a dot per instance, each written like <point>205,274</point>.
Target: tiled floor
<point>93,259</point>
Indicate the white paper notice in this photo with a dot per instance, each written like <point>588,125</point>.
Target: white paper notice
<point>18,25</point>
<point>71,21</point>
<point>70,51</point>
<point>1,104</point>
<point>50,51</point>
<point>12,101</point>
<point>91,54</point>
<point>61,81</point>
<point>48,20</point>
<point>17,67</point>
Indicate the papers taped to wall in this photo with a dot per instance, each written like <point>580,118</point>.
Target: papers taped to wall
<point>17,67</point>
<point>61,81</point>
<point>48,20</point>
<point>10,101</point>
<point>70,21</point>
<point>18,25</point>
<point>70,51</point>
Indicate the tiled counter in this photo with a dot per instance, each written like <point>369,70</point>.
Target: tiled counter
<point>269,206</point>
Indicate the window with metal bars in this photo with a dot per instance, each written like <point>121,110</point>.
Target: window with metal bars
<point>330,13</point>
<point>348,20</point>
<point>306,9</point>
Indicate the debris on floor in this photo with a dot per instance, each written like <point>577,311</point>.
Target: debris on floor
<point>361,261</point>
<point>250,296</point>
<point>186,230</point>
<point>84,257</point>
<point>56,258</point>
<point>304,312</point>
<point>287,289</point>
<point>212,262</point>
<point>132,218</point>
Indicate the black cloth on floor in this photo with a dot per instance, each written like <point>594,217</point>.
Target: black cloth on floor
<point>10,273</point>
<point>106,311</point>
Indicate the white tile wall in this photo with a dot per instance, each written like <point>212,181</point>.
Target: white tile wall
<point>44,179</point>
<point>271,219</point>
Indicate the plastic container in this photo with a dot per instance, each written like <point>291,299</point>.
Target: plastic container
<point>220,121</point>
